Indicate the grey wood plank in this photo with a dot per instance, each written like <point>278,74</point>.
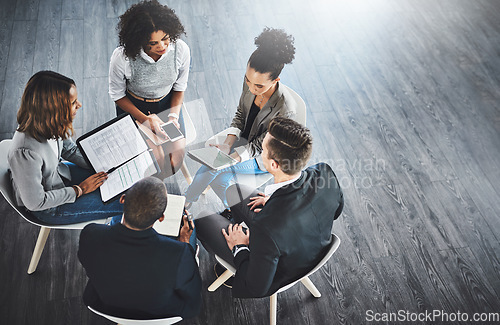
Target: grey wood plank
<point>19,70</point>
<point>97,107</point>
<point>115,8</point>
<point>26,9</point>
<point>112,37</point>
<point>5,37</point>
<point>476,232</point>
<point>47,39</point>
<point>95,53</point>
<point>72,9</point>
<point>71,59</point>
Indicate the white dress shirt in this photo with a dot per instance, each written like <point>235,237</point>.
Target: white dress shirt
<point>120,70</point>
<point>270,189</point>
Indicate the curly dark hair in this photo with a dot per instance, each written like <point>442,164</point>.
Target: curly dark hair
<point>141,20</point>
<point>274,50</point>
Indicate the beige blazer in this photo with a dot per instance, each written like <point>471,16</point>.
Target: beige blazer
<point>281,103</point>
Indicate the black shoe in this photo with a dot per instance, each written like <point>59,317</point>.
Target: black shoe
<point>219,269</point>
<point>226,214</point>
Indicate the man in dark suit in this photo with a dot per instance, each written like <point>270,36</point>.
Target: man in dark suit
<point>289,226</point>
<point>133,271</point>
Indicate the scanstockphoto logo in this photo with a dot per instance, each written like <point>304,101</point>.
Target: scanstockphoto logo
<point>431,316</point>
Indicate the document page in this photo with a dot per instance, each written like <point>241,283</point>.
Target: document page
<point>126,175</point>
<point>171,225</point>
<point>113,145</point>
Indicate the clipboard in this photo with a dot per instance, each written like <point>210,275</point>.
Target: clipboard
<point>117,148</point>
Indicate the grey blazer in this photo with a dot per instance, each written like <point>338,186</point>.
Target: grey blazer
<point>38,175</point>
<point>281,103</point>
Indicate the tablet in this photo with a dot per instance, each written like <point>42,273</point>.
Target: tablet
<point>212,157</point>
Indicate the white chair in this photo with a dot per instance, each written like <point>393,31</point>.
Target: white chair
<point>7,193</point>
<point>252,180</point>
<point>190,131</point>
<point>124,321</point>
<point>230,271</point>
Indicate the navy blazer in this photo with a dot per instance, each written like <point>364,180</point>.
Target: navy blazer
<point>290,235</point>
<point>139,274</point>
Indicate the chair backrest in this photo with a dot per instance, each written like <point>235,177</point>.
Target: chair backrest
<point>124,321</point>
<point>8,194</point>
<point>6,186</point>
<point>301,112</point>
<point>333,247</point>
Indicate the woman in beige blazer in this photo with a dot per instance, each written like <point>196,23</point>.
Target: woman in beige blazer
<point>262,98</point>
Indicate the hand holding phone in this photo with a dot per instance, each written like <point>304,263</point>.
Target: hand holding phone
<point>186,229</point>
<point>172,131</point>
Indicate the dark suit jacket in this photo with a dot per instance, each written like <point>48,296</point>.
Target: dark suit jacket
<point>290,235</point>
<point>139,274</point>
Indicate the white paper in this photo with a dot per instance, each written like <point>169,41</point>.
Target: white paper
<point>125,176</point>
<point>113,145</point>
<point>171,225</point>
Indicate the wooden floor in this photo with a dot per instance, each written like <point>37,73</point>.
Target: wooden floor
<point>403,101</point>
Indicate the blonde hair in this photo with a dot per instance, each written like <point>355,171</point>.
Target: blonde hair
<point>45,111</point>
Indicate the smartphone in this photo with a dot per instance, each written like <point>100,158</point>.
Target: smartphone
<point>172,131</point>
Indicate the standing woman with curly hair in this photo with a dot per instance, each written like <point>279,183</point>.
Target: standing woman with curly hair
<point>54,191</point>
<point>262,99</point>
<point>148,72</point>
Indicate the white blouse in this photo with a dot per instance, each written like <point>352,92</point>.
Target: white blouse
<point>120,70</point>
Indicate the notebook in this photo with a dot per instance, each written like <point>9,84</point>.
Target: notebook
<point>171,225</point>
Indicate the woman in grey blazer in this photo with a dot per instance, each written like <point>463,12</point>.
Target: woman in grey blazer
<point>262,99</point>
<point>54,191</point>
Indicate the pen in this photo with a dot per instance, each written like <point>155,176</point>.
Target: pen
<point>111,170</point>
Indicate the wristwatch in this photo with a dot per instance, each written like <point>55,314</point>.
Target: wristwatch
<point>236,247</point>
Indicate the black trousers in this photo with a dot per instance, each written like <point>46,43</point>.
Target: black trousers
<point>209,225</point>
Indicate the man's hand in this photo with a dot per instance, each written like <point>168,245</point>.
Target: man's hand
<point>258,201</point>
<point>235,235</point>
<point>186,231</point>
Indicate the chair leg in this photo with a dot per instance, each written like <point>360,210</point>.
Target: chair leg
<point>311,287</point>
<point>206,190</point>
<point>185,172</point>
<point>37,252</point>
<point>220,280</point>
<point>273,308</point>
